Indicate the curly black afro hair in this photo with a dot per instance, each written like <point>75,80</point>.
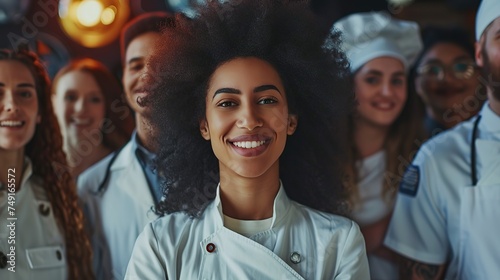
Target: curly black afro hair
<point>316,78</point>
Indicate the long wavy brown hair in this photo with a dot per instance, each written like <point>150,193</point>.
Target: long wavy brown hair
<point>401,144</point>
<point>45,148</point>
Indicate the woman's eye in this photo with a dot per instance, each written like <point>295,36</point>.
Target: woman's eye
<point>371,80</point>
<point>397,82</point>
<point>267,101</point>
<point>70,98</point>
<point>96,100</point>
<point>25,94</point>
<point>226,104</point>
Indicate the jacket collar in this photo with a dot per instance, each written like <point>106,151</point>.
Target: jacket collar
<point>27,172</point>
<point>490,121</point>
<point>125,158</point>
<point>280,208</point>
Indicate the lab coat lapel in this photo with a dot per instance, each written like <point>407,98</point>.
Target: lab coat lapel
<point>136,186</point>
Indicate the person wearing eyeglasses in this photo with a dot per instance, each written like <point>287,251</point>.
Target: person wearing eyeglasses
<point>446,220</point>
<point>445,76</point>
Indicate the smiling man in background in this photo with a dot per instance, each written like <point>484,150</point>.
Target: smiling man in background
<point>118,193</point>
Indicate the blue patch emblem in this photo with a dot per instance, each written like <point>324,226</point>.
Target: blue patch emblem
<point>411,178</point>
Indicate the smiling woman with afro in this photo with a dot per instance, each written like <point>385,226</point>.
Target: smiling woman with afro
<point>249,109</point>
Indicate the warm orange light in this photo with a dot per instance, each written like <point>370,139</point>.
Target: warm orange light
<point>93,23</point>
<point>108,16</point>
<point>89,12</point>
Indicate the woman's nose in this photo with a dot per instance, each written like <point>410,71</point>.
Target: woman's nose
<point>249,118</point>
<point>9,103</point>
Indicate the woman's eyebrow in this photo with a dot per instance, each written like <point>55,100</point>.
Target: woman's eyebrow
<point>226,90</point>
<point>255,90</point>
<point>266,87</point>
<point>29,85</point>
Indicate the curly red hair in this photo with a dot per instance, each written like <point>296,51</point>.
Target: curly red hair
<point>45,148</point>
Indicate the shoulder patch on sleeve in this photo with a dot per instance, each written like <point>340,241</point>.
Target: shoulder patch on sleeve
<point>411,179</point>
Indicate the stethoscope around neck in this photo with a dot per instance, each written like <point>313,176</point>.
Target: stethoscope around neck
<point>103,185</point>
<point>473,154</point>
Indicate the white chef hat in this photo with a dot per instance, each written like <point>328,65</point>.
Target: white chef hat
<point>488,11</point>
<point>366,36</point>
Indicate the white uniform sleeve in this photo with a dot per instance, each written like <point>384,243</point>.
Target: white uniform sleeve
<point>418,228</point>
<point>353,261</point>
<point>146,261</point>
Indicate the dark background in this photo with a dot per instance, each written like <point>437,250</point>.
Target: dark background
<point>58,47</point>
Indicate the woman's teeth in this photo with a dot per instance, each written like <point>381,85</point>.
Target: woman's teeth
<point>11,123</point>
<point>249,144</point>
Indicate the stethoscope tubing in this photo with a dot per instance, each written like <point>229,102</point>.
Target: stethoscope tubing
<point>473,152</point>
<point>102,186</point>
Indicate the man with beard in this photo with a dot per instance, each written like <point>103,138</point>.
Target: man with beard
<point>445,223</point>
<point>119,192</point>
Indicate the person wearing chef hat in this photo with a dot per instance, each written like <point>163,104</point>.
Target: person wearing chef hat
<point>383,127</point>
<point>446,218</point>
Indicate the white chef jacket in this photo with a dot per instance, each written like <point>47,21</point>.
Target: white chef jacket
<point>301,243</point>
<point>372,207</point>
<point>439,216</point>
<point>118,214</point>
<point>39,243</point>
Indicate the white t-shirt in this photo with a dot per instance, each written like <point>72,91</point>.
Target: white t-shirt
<point>247,227</point>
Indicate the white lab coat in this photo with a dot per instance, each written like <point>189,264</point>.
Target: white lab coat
<point>39,243</point>
<point>448,219</point>
<point>118,215</point>
<point>177,247</point>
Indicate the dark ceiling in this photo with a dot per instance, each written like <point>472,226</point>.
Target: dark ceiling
<point>41,21</point>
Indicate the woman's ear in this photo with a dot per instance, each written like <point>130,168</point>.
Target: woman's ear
<point>205,132</point>
<point>292,124</point>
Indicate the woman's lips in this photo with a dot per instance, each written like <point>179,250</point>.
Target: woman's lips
<point>384,106</point>
<point>254,150</point>
<point>250,145</point>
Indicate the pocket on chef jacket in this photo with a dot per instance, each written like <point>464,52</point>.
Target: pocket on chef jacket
<point>46,257</point>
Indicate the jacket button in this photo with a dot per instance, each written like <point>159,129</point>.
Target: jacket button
<point>44,210</point>
<point>58,255</point>
<point>295,257</point>
<point>210,247</point>
<point>3,260</point>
